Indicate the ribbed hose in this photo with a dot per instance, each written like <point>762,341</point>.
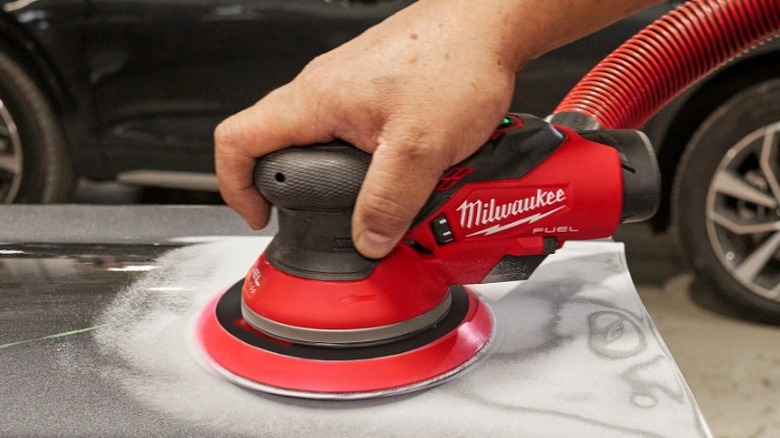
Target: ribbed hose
<point>640,76</point>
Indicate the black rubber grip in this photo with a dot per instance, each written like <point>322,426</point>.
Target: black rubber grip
<point>315,188</point>
<point>325,177</point>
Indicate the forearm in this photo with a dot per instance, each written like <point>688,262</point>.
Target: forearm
<point>513,32</point>
<point>534,27</point>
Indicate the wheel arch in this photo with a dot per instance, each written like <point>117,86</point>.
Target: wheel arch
<point>696,106</point>
<point>27,52</point>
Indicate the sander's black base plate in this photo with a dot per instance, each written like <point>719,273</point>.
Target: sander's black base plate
<point>229,312</point>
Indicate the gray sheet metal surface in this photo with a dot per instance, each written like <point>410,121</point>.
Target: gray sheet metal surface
<point>97,340</point>
<point>51,296</point>
<point>127,223</point>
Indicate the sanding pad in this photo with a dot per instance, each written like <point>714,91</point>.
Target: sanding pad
<point>254,360</point>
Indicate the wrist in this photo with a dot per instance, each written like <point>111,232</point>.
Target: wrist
<point>517,31</point>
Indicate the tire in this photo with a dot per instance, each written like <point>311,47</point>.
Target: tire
<point>726,200</point>
<point>34,164</point>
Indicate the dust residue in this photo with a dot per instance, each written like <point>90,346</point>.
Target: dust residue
<point>163,368</point>
<point>540,377</point>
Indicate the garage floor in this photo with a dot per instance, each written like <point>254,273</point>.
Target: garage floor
<point>731,364</point>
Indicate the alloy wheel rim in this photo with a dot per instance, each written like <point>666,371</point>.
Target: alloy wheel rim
<point>743,211</point>
<point>11,159</point>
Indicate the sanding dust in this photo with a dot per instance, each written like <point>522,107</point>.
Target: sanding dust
<point>541,376</point>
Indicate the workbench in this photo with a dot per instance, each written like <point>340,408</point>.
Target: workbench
<point>96,339</point>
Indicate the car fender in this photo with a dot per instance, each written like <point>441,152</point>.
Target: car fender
<point>672,127</point>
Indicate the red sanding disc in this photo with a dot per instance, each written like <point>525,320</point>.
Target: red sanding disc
<point>253,360</point>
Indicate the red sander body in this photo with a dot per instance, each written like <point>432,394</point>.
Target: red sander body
<point>313,318</point>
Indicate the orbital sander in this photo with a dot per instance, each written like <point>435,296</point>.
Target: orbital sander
<point>313,318</point>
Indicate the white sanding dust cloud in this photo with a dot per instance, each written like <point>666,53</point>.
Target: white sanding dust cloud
<point>575,355</point>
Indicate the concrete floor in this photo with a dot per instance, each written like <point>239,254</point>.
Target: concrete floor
<point>731,364</point>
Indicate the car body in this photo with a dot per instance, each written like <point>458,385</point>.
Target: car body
<point>136,88</point>
<point>140,85</point>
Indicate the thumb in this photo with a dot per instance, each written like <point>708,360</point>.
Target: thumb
<point>399,180</point>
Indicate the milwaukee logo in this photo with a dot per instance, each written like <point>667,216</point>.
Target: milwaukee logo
<point>479,213</point>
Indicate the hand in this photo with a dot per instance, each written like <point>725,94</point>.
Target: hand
<point>420,91</point>
<point>420,95</point>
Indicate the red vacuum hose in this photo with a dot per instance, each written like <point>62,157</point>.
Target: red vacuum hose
<point>639,77</point>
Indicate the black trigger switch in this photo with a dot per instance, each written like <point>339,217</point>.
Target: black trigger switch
<point>441,230</point>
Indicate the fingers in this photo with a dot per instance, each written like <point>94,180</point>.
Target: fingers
<point>399,180</point>
<point>277,121</point>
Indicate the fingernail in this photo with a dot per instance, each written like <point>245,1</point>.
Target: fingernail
<point>257,224</point>
<point>374,245</point>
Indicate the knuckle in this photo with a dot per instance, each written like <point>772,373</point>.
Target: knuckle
<point>416,149</point>
<point>224,135</point>
<point>413,140</point>
<point>228,195</point>
<point>418,146</point>
<point>382,213</point>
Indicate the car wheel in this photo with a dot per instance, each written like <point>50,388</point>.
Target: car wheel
<point>726,200</point>
<point>34,164</point>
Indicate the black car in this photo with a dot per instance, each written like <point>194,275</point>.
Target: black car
<point>132,90</point>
